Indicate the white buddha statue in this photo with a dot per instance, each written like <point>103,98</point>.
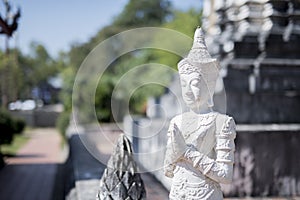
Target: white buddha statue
<point>200,148</point>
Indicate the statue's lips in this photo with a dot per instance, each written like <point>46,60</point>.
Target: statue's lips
<point>189,100</point>
<point>188,96</point>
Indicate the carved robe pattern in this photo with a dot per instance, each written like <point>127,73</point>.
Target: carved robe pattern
<point>207,159</point>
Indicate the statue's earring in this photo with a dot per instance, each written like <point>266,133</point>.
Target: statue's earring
<point>210,102</point>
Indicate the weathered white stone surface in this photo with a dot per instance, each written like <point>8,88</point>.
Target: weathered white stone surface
<point>84,190</point>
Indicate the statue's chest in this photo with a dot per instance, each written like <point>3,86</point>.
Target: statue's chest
<point>200,132</point>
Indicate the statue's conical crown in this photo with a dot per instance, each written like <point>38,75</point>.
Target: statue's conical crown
<point>199,52</point>
<point>197,56</point>
<point>200,61</point>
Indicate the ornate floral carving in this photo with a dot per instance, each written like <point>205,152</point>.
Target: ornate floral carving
<point>192,191</point>
<point>186,68</point>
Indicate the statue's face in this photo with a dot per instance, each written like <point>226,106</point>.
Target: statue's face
<point>194,89</point>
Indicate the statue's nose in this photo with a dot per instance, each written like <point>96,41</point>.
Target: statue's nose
<point>195,92</point>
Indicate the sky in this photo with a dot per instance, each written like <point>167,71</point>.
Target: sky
<point>58,23</point>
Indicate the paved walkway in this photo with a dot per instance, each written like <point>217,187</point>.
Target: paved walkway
<point>31,174</point>
<point>44,147</point>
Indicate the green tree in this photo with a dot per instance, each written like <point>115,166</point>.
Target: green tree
<point>20,73</point>
<point>136,13</point>
<point>10,75</point>
<point>36,68</point>
<point>183,22</point>
<point>139,13</point>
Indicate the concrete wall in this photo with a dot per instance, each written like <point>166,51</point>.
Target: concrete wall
<point>39,117</point>
<point>266,157</point>
<point>266,161</point>
<point>276,98</point>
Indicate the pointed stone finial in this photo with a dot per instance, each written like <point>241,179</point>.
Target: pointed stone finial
<point>120,179</point>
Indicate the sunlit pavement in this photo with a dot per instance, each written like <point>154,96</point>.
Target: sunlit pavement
<point>44,146</point>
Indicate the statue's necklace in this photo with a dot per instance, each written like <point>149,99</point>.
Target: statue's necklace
<point>199,120</point>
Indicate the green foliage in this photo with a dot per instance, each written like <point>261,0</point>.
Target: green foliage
<point>62,122</point>
<point>136,13</point>
<point>137,78</point>
<point>19,73</point>
<point>11,77</point>
<point>68,76</point>
<point>36,68</point>
<point>9,126</point>
<point>18,125</point>
<point>139,13</point>
<point>183,22</point>
<point>6,126</point>
<point>17,143</point>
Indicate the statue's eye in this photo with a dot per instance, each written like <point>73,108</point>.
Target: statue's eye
<point>183,83</point>
<point>195,82</point>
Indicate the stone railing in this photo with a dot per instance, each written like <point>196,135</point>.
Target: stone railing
<point>82,170</point>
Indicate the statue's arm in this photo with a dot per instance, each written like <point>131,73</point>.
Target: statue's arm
<point>221,168</point>
<point>169,164</point>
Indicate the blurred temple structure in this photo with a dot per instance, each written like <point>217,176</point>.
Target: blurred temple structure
<point>257,42</point>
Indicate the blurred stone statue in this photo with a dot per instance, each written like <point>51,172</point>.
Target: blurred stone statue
<point>200,148</point>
